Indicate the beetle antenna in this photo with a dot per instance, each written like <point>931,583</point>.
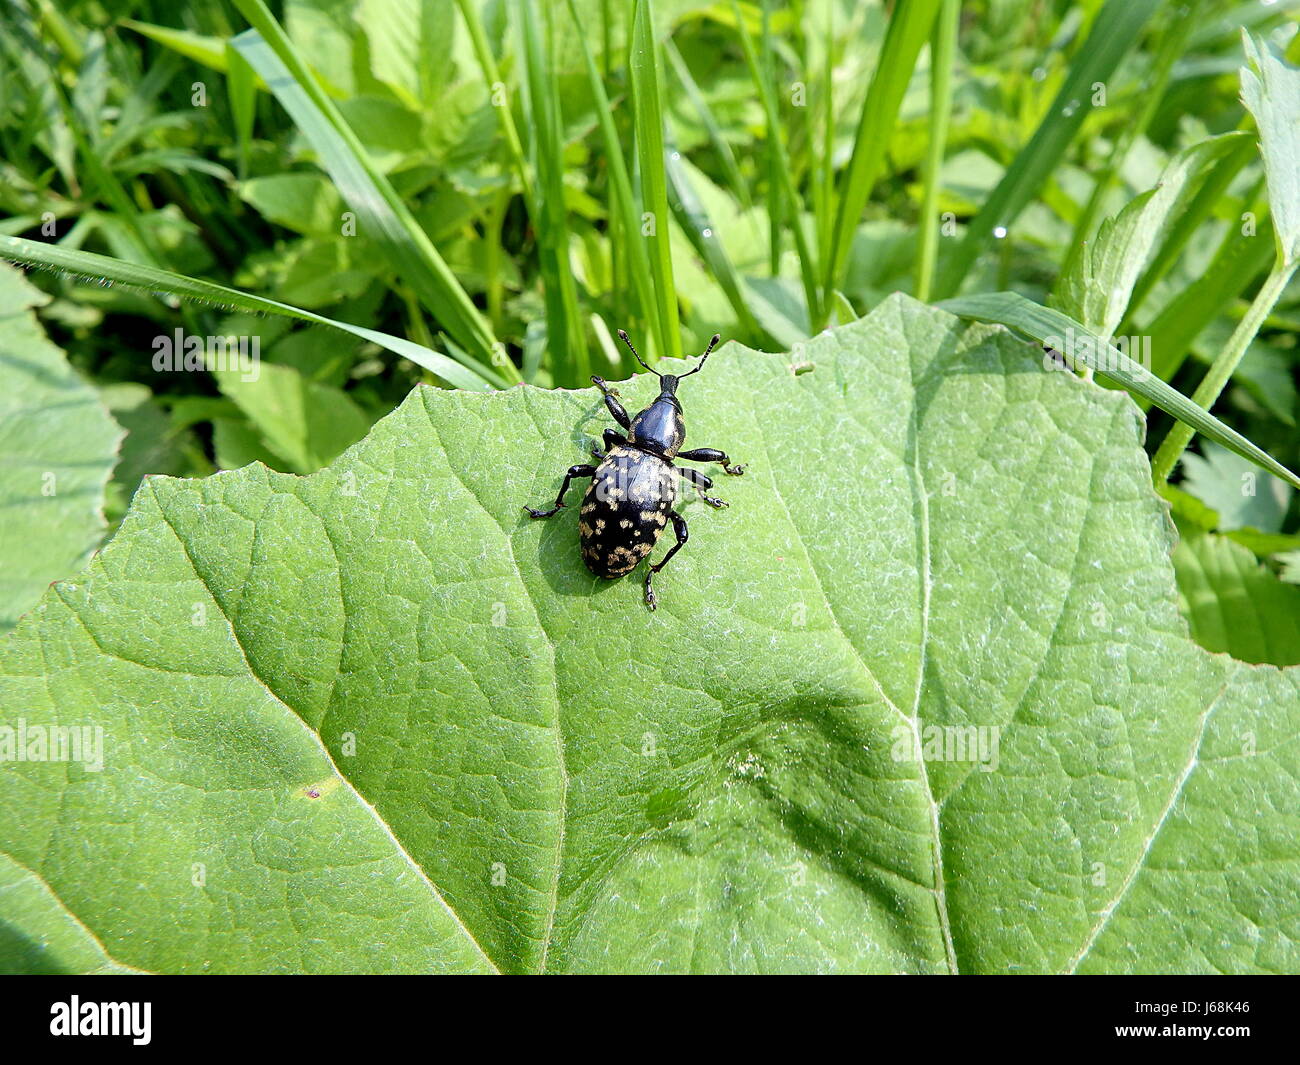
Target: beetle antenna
<point>712,344</point>
<point>626,340</point>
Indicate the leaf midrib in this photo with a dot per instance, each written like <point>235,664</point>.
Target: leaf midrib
<point>562,765</point>
<point>319,743</point>
<point>917,486</point>
<point>1108,911</point>
<point>72,916</point>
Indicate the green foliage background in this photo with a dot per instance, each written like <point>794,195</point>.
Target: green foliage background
<point>474,195</point>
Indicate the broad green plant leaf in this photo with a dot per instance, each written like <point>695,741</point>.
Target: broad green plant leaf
<point>65,945</point>
<point>404,35</point>
<point>303,201</point>
<point>1235,604</point>
<point>58,446</point>
<point>1271,90</point>
<point>152,443</point>
<point>1056,330</point>
<point>378,719</point>
<point>1234,489</point>
<point>303,422</point>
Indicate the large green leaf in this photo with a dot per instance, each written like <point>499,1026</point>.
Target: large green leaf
<point>1234,604</point>
<point>1270,88</point>
<point>305,423</point>
<point>378,719</point>
<point>58,445</point>
<point>1074,345</point>
<point>1235,490</point>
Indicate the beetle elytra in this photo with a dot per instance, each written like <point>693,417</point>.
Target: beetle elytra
<point>632,492</point>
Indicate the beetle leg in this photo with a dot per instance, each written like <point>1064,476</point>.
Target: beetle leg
<point>679,528</point>
<point>712,454</point>
<point>701,482</point>
<point>574,471</point>
<point>616,410</point>
<point>612,438</point>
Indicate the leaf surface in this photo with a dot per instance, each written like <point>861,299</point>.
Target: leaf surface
<point>58,446</point>
<point>1235,604</point>
<point>378,719</point>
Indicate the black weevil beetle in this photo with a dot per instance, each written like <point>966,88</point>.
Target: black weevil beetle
<point>633,490</point>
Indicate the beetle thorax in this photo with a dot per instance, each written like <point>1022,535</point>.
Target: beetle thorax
<point>660,428</point>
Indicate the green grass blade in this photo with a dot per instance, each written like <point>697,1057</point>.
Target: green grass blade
<point>382,214</point>
<point>492,76</point>
<point>779,208</point>
<point>1116,29</point>
<point>908,29</point>
<point>623,208</point>
<point>648,118</point>
<point>565,328</point>
<point>704,238</point>
<point>1045,325</point>
<point>721,148</point>
<point>207,51</point>
<point>1236,264</point>
<point>943,50</point>
<point>1173,43</point>
<point>104,268</point>
<point>791,203</point>
<point>243,105</point>
<point>823,163</point>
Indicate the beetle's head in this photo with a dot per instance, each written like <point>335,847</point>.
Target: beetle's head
<point>668,382</point>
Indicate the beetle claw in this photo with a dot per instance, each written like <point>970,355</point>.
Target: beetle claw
<point>735,471</point>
